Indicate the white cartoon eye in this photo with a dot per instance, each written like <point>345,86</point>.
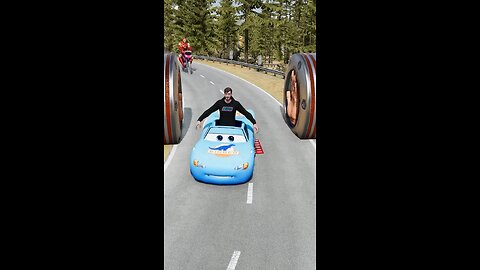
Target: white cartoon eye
<point>231,138</point>
<point>219,137</point>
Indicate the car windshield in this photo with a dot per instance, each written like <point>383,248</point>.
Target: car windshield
<point>225,135</point>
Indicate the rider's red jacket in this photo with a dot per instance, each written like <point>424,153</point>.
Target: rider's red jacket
<point>184,46</point>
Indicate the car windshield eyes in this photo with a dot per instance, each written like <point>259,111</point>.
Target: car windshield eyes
<point>231,138</point>
<point>219,137</point>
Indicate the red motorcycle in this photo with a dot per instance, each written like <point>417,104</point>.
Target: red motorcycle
<point>187,61</point>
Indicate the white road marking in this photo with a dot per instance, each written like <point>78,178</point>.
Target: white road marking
<point>314,143</point>
<point>221,91</point>
<point>234,260</point>
<point>202,76</point>
<point>250,193</point>
<point>245,81</point>
<point>212,82</point>
<point>169,159</point>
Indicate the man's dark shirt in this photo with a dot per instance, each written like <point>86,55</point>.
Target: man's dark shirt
<point>227,112</point>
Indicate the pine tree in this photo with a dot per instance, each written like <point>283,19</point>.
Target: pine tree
<point>182,12</point>
<point>193,19</point>
<point>281,28</point>
<point>268,17</point>
<point>246,10</point>
<point>168,21</point>
<point>227,27</point>
<point>311,26</point>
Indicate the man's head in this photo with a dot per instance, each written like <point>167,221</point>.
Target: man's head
<point>227,94</point>
<point>184,39</point>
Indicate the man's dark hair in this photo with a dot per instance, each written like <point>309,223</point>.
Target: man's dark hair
<point>228,89</point>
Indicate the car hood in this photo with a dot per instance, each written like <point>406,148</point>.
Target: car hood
<point>223,153</point>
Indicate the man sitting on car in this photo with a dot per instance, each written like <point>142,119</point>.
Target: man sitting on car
<point>228,107</point>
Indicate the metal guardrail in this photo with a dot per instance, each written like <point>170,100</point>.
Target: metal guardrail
<point>242,64</point>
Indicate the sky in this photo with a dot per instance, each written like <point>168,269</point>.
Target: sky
<point>217,4</point>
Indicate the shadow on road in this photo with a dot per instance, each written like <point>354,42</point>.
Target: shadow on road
<point>187,120</point>
<point>185,72</point>
<point>282,113</point>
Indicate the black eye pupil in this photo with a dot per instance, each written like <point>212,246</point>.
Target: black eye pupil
<point>231,138</point>
<point>219,137</point>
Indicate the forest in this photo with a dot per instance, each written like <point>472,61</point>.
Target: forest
<point>274,29</point>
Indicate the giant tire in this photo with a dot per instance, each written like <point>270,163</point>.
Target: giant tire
<point>304,65</point>
<point>172,100</point>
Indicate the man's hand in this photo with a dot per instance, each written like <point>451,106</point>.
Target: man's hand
<point>197,125</point>
<point>255,128</point>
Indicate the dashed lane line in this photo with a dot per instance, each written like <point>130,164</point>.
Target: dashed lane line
<point>250,193</point>
<point>234,260</point>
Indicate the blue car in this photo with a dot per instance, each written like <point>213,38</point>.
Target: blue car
<point>224,154</point>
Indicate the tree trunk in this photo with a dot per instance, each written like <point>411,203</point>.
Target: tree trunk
<point>287,56</point>
<point>246,45</point>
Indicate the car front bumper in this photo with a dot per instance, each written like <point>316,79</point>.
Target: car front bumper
<point>221,177</point>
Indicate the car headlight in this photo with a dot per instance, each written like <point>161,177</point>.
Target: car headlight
<point>196,163</point>
<point>240,167</point>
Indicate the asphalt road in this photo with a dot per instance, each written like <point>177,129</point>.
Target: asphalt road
<point>213,227</point>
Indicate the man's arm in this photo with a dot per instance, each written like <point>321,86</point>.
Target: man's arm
<point>208,112</point>
<point>248,115</point>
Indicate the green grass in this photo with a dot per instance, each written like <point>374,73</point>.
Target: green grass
<point>166,151</point>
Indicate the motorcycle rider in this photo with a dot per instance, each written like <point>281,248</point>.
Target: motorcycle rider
<point>183,46</point>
